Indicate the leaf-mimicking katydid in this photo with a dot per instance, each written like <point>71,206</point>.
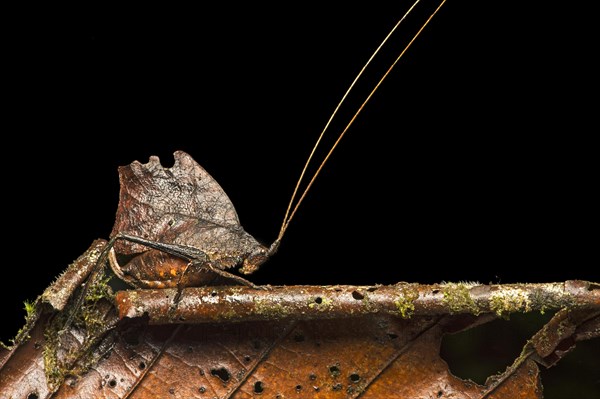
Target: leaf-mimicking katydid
<point>176,227</point>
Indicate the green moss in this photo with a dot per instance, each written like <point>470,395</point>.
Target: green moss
<point>405,302</point>
<point>272,309</point>
<point>507,301</point>
<point>458,299</point>
<point>90,320</point>
<point>31,316</point>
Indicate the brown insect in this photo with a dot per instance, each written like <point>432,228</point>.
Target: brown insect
<point>176,227</point>
<point>187,220</point>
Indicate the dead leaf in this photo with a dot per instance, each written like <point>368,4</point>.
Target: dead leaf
<point>367,357</point>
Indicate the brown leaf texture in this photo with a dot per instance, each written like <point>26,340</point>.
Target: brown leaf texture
<point>368,357</point>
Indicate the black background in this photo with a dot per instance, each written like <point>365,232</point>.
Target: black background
<point>474,161</point>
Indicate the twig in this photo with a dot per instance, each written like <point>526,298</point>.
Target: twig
<point>237,303</point>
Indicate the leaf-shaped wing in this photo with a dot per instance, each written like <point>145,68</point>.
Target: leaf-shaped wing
<point>156,201</point>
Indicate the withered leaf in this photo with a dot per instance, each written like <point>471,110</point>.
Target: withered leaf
<point>367,357</point>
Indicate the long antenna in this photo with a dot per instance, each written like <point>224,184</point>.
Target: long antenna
<point>289,214</point>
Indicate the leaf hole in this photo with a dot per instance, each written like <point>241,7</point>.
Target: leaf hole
<point>247,359</point>
<point>33,395</point>
<point>142,365</point>
<point>354,377</point>
<point>258,387</point>
<point>357,295</point>
<point>213,293</point>
<point>298,388</point>
<point>372,289</point>
<point>172,391</point>
<point>222,373</point>
<point>334,370</point>
<point>112,383</point>
<point>37,345</point>
<point>476,353</point>
<point>337,387</point>
<point>202,389</point>
<point>312,376</point>
<point>181,318</point>
<point>440,393</point>
<point>318,300</point>
<point>392,335</point>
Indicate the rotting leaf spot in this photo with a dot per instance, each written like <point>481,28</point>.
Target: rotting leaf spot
<point>222,373</point>
<point>357,295</point>
<point>337,387</point>
<point>202,389</point>
<point>258,387</point>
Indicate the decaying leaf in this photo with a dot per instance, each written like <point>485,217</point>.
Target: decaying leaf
<point>367,357</point>
<point>48,349</point>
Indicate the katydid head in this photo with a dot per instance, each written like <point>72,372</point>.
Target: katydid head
<point>257,257</point>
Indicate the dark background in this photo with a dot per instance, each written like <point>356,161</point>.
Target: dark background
<point>474,161</point>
